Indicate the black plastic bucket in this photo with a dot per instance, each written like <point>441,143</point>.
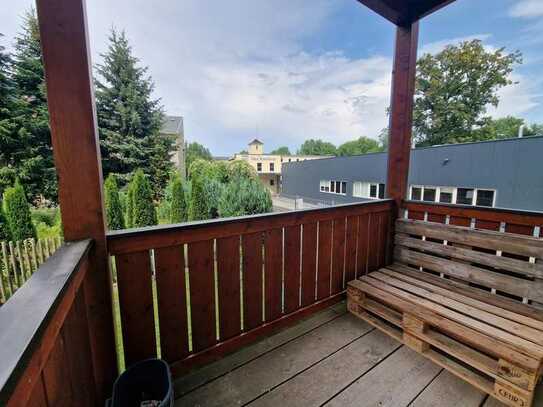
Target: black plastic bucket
<point>146,383</point>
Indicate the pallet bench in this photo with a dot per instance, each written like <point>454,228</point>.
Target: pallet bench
<point>465,298</point>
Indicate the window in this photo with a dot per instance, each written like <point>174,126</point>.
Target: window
<point>272,183</point>
<point>259,167</point>
<point>336,187</point>
<point>416,193</point>
<point>272,167</point>
<point>464,196</point>
<point>429,194</point>
<point>290,159</point>
<point>368,190</point>
<point>446,195</point>
<point>485,197</point>
<point>325,186</point>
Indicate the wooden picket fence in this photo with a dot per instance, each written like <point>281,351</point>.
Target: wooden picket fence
<point>20,259</point>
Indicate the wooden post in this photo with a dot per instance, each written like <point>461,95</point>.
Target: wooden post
<point>64,41</point>
<point>401,111</point>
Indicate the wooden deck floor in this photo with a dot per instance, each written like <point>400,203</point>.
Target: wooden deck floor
<point>330,359</point>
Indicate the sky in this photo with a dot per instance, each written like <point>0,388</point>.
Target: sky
<point>284,71</point>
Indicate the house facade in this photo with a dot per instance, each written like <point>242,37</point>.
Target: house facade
<point>173,126</point>
<point>268,166</point>
<point>497,173</point>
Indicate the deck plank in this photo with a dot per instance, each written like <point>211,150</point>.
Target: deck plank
<point>448,390</point>
<point>322,381</point>
<point>210,372</point>
<point>395,382</point>
<point>260,375</point>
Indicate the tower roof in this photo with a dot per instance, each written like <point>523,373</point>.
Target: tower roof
<point>256,141</point>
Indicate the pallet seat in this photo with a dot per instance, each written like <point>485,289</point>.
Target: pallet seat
<point>468,299</point>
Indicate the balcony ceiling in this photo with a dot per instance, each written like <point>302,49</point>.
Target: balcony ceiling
<point>403,12</point>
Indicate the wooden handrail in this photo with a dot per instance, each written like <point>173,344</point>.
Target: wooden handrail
<point>33,327</point>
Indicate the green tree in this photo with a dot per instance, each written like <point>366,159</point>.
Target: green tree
<point>281,151</point>
<point>362,145</point>
<point>143,210</point>
<point>195,151</point>
<point>454,89</point>
<point>506,127</point>
<point>129,118</point>
<point>114,211</point>
<point>244,196</point>
<point>17,213</point>
<point>129,207</point>
<point>30,156</point>
<point>240,169</point>
<point>383,136</point>
<point>200,173</point>
<point>317,147</point>
<point>4,227</point>
<point>178,205</point>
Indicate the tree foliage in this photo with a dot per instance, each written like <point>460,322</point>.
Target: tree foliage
<point>178,203</point>
<point>17,213</point>
<point>317,147</point>
<point>25,140</point>
<point>454,89</point>
<point>244,196</point>
<point>195,151</point>
<point>241,169</point>
<point>142,207</point>
<point>114,211</point>
<point>129,118</point>
<point>4,227</point>
<point>507,127</point>
<point>281,151</point>
<point>362,145</point>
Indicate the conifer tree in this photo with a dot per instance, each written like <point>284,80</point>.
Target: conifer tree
<point>129,214</point>
<point>114,212</point>
<point>17,212</point>
<point>143,210</point>
<point>129,118</point>
<point>32,155</point>
<point>178,205</point>
<point>4,228</point>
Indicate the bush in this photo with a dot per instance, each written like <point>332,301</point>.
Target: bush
<point>178,203</point>
<point>17,213</point>
<point>212,195</point>
<point>44,215</point>
<point>4,228</point>
<point>143,210</point>
<point>244,197</point>
<point>129,207</point>
<point>114,212</point>
<point>241,169</point>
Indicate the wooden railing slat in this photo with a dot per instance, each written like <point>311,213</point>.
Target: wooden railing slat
<point>338,255</point>
<point>351,242</point>
<point>202,294</point>
<point>324,259</point>
<point>363,245</point>
<point>252,280</point>
<point>309,262</point>
<point>136,305</point>
<point>273,272</point>
<point>292,268</point>
<point>229,280</point>
<point>172,302</point>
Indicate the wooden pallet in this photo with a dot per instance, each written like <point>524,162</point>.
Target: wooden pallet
<point>479,344</point>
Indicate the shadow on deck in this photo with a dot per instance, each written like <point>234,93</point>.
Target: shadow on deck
<point>331,359</point>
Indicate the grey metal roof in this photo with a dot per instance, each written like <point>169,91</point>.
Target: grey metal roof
<point>172,125</point>
<point>256,141</point>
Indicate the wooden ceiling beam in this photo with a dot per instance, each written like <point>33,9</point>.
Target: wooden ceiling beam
<point>405,12</point>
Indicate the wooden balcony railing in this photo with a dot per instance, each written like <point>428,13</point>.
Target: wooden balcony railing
<point>222,284</point>
<point>44,336</point>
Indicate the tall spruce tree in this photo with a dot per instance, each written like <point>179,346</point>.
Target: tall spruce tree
<point>30,156</point>
<point>129,118</point>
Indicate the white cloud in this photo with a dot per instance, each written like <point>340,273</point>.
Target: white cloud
<point>438,46</point>
<point>519,98</point>
<point>527,9</point>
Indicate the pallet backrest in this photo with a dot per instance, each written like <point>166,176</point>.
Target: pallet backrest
<point>506,264</point>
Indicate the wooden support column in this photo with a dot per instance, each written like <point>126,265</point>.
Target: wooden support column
<point>64,41</point>
<point>401,111</point>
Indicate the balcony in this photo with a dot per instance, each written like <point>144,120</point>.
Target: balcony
<point>246,311</point>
